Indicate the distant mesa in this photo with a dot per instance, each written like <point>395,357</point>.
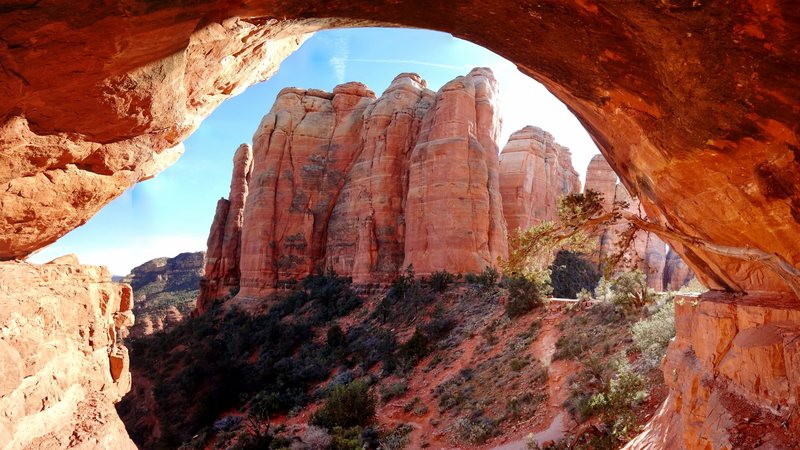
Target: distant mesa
<point>164,291</point>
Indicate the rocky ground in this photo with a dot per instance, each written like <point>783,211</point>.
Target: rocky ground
<point>448,369</point>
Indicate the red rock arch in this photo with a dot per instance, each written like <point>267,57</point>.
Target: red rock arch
<point>694,103</point>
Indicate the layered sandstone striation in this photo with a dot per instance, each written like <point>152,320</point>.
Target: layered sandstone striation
<point>534,172</point>
<point>733,371</point>
<point>454,216</point>
<point>303,150</point>
<point>221,273</point>
<point>366,232</point>
<point>164,291</point>
<point>63,366</point>
<point>364,186</point>
<point>707,144</point>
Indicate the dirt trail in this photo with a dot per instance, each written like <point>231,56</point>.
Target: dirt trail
<point>557,421</point>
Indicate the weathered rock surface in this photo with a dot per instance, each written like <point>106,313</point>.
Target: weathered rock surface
<point>303,150</point>
<point>534,172</point>
<point>694,103</point>
<point>127,113</point>
<point>164,291</point>
<point>366,187</point>
<point>733,375</point>
<point>62,365</point>
<point>454,216</point>
<point>221,273</point>
<point>676,272</point>
<point>366,232</point>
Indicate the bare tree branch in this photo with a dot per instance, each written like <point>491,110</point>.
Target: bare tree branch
<point>789,273</point>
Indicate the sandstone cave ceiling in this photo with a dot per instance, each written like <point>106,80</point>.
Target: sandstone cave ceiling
<point>694,104</point>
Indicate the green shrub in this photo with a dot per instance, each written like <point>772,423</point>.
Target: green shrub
<point>629,290</point>
<point>475,430</point>
<point>393,390</point>
<point>487,278</point>
<point>441,280</point>
<point>398,438</point>
<point>616,405</point>
<point>570,273</point>
<point>652,335</point>
<point>347,406</point>
<point>524,294</point>
<point>335,337</point>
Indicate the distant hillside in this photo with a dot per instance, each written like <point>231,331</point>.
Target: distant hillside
<point>164,291</point>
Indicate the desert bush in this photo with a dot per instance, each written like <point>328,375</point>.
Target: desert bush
<point>316,438</point>
<point>487,278</point>
<point>524,294</point>
<point>335,337</point>
<point>439,281</point>
<point>652,334</point>
<point>584,295</point>
<point>616,405</point>
<point>393,390</point>
<point>629,290</point>
<point>475,430</point>
<point>571,273</point>
<point>347,406</point>
<point>397,439</point>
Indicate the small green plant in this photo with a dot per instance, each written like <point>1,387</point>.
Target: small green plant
<point>441,280</point>
<point>393,390</point>
<point>629,290</point>
<point>652,335</point>
<point>584,295</point>
<point>487,278</point>
<point>616,405</point>
<point>475,430</point>
<point>524,294</point>
<point>348,405</point>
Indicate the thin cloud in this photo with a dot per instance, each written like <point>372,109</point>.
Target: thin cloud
<point>339,60</point>
<point>408,61</point>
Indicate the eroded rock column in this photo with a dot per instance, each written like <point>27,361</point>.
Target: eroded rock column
<point>454,216</point>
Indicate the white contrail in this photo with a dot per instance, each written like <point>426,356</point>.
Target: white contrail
<point>407,61</point>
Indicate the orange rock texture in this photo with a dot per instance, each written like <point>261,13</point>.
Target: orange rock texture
<point>534,172</point>
<point>694,104</point>
<point>734,375</point>
<point>365,186</point>
<point>224,239</point>
<point>62,365</point>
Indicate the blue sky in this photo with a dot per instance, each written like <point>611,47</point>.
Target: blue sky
<point>172,212</point>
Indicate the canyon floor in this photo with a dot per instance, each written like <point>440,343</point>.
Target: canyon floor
<point>447,365</point>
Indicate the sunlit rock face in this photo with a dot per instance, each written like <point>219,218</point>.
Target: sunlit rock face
<point>694,104</point>
<point>63,366</point>
<point>221,272</point>
<point>365,187</point>
<point>366,232</point>
<point>733,371</point>
<point>454,216</point>
<point>302,152</point>
<point>535,172</point>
